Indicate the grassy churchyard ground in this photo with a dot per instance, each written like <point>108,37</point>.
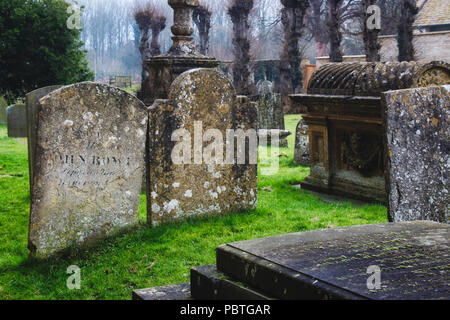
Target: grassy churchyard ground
<point>160,256</point>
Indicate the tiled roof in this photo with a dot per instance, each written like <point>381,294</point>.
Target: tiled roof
<point>433,12</point>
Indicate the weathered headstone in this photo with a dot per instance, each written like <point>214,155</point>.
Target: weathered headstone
<point>201,108</point>
<point>32,99</point>
<point>270,111</point>
<point>392,261</point>
<point>3,106</point>
<point>89,159</point>
<point>17,121</point>
<point>301,152</point>
<point>417,135</point>
<point>270,107</point>
<point>344,118</point>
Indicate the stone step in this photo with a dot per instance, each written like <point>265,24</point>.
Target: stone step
<point>209,284</point>
<point>172,292</point>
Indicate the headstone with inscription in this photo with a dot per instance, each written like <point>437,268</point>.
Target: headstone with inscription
<point>32,99</point>
<point>3,106</point>
<point>417,136</point>
<point>194,147</point>
<point>17,121</point>
<point>88,166</point>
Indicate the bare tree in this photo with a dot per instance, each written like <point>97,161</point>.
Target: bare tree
<point>405,30</point>
<point>239,11</point>
<point>370,36</point>
<point>202,19</point>
<point>158,24</point>
<point>143,17</point>
<point>292,17</point>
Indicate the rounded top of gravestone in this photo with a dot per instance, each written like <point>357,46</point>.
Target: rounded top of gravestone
<point>371,79</point>
<point>266,87</point>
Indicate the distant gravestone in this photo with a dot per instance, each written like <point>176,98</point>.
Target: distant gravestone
<point>88,166</point>
<point>3,106</point>
<point>17,121</point>
<point>418,153</point>
<point>301,152</point>
<point>270,108</point>
<point>202,103</point>
<point>32,99</point>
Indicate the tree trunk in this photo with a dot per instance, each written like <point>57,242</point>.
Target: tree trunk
<point>292,16</point>
<point>405,31</point>
<point>239,11</point>
<point>334,30</point>
<point>370,36</point>
<point>202,19</point>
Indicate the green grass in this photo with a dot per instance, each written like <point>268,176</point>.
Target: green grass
<point>160,256</point>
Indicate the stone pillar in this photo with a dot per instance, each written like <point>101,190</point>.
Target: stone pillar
<point>183,55</point>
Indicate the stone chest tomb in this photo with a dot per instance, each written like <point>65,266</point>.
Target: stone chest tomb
<point>344,117</point>
<point>417,144</point>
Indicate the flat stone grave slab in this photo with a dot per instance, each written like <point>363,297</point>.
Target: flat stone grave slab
<point>412,259</point>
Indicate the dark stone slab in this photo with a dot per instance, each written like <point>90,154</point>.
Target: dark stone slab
<point>332,264</point>
<point>209,284</point>
<point>16,119</point>
<point>417,138</point>
<point>172,292</point>
<point>32,99</point>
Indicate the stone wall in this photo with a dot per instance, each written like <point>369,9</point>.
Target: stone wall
<point>430,46</point>
<point>417,138</point>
